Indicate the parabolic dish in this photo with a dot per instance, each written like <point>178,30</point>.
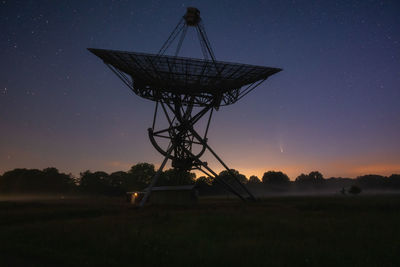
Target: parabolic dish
<point>161,77</point>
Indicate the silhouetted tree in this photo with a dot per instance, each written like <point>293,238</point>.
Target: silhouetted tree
<point>354,190</point>
<point>176,177</point>
<point>302,178</point>
<point>118,182</point>
<point>313,177</point>
<point>273,177</point>
<point>118,179</point>
<point>316,176</point>
<point>227,177</point>
<point>371,181</point>
<point>49,180</point>
<point>205,186</point>
<point>22,181</point>
<point>254,180</point>
<point>394,181</point>
<point>57,182</point>
<point>204,181</point>
<point>94,182</point>
<point>140,176</point>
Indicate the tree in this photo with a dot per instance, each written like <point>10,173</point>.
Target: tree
<point>56,181</point>
<point>204,181</point>
<point>316,176</point>
<point>302,178</point>
<point>49,180</point>
<point>313,177</point>
<point>140,176</point>
<point>394,181</point>
<point>94,182</point>
<point>176,177</point>
<point>118,182</point>
<point>205,186</point>
<point>254,180</point>
<point>273,177</point>
<point>354,190</point>
<point>371,180</point>
<point>227,176</point>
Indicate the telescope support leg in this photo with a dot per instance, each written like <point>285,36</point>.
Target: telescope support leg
<point>220,181</point>
<point>155,178</point>
<point>204,143</point>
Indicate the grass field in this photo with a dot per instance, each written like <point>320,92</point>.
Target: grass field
<point>281,231</point>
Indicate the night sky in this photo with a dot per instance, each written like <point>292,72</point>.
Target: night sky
<point>334,108</point>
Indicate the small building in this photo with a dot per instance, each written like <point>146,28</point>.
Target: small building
<point>167,195</point>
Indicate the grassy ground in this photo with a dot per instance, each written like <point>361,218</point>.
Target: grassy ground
<point>287,231</point>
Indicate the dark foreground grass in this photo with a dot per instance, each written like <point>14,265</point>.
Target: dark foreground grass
<point>287,231</point>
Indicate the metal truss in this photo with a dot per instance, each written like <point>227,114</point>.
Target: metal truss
<point>186,90</point>
<point>185,146</point>
<point>161,78</point>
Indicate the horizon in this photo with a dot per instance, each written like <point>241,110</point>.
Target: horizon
<point>199,174</point>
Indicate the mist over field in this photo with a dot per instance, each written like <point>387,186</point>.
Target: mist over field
<point>49,183</point>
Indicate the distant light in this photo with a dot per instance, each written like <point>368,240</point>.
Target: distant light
<point>135,194</point>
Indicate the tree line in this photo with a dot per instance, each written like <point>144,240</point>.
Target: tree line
<point>138,177</point>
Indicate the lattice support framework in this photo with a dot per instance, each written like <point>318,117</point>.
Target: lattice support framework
<point>186,90</point>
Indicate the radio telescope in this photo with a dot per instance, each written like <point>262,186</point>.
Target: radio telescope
<point>186,90</point>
